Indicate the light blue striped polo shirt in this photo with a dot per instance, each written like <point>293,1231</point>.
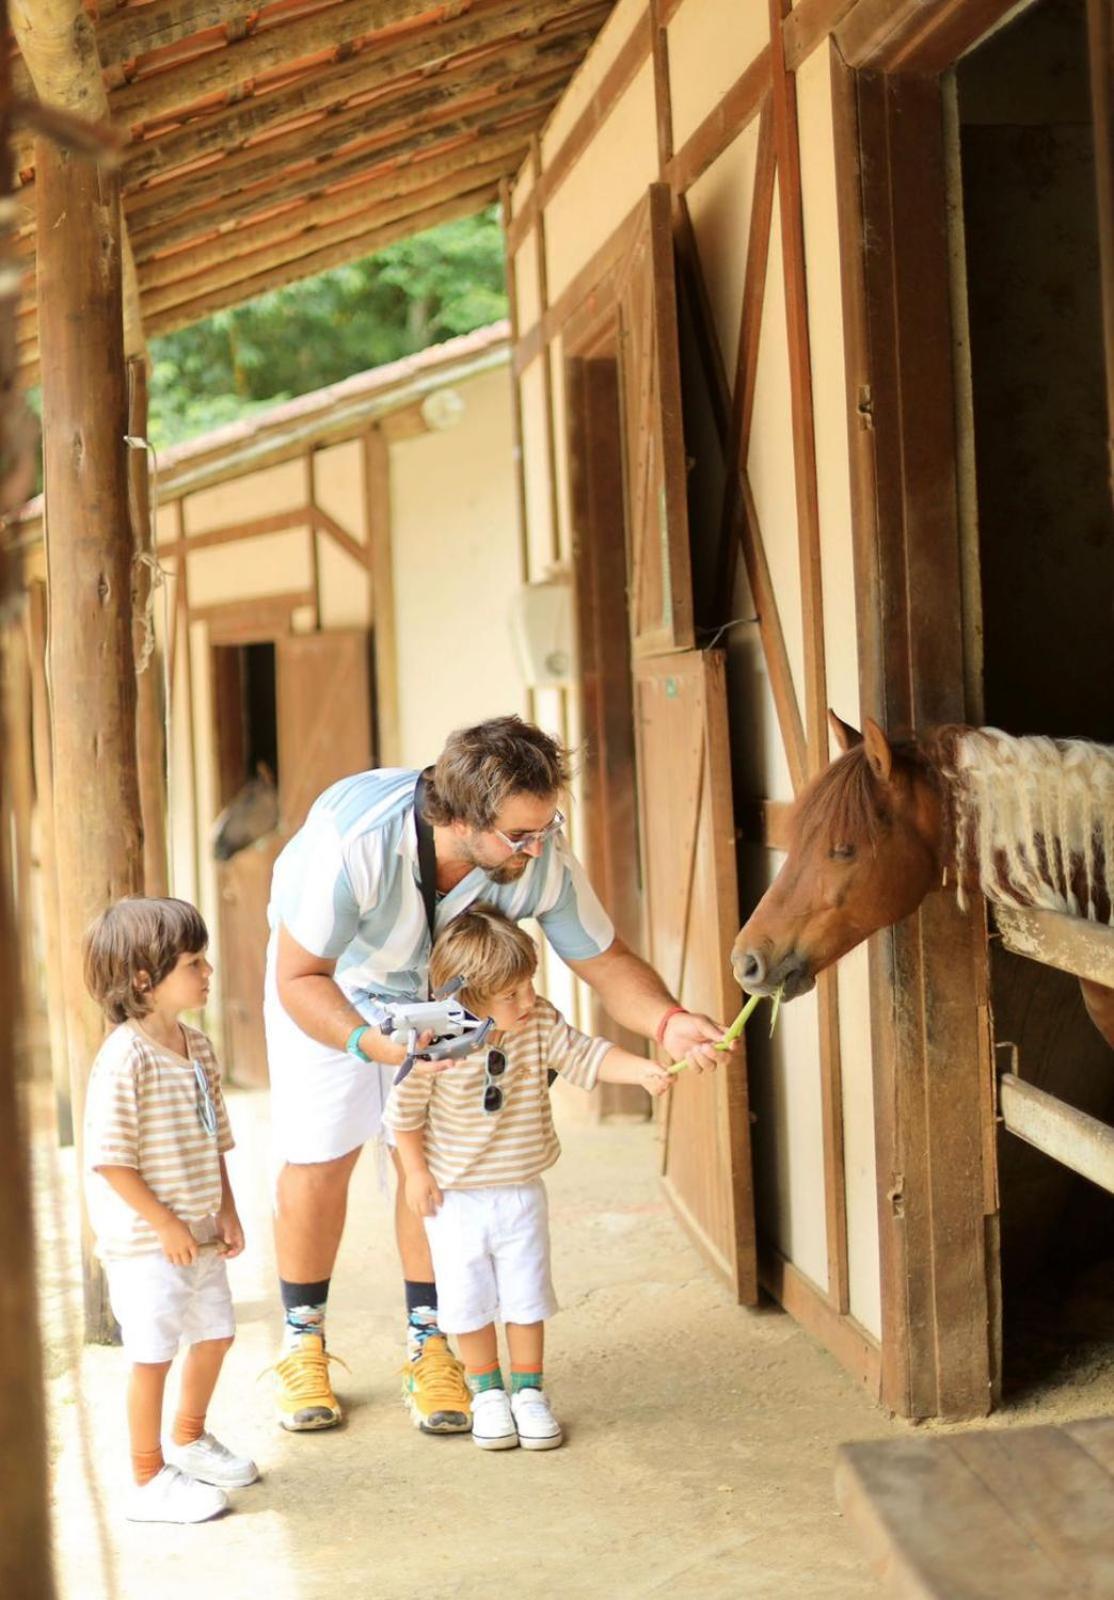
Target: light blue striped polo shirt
<point>346,888</point>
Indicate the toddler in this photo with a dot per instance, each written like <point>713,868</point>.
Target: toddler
<point>159,1199</point>
<point>473,1142</point>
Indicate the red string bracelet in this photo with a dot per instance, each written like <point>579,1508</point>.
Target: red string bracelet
<point>659,1031</point>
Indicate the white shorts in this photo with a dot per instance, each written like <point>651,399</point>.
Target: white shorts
<point>324,1102</point>
<point>159,1305</point>
<point>490,1251</point>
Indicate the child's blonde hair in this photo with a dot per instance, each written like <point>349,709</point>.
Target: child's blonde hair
<point>489,951</point>
<point>138,936</point>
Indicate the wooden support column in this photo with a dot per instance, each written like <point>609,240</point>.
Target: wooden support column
<point>98,828</point>
<point>377,481</point>
<point>150,712</point>
<point>25,1565</point>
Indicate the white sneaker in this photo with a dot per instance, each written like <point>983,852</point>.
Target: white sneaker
<point>170,1496</point>
<point>492,1423</point>
<point>537,1427</point>
<point>209,1461</point>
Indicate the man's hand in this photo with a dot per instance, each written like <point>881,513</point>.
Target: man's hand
<point>422,1194</point>
<point>230,1231</point>
<point>178,1244</point>
<point>690,1037</point>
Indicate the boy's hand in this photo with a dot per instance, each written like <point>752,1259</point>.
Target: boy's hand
<point>230,1231</point>
<point>656,1080</point>
<point>422,1194</point>
<point>178,1244</point>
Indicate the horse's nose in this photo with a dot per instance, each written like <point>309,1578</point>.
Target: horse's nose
<point>750,968</point>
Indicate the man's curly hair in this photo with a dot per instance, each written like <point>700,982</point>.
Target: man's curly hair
<point>480,768</point>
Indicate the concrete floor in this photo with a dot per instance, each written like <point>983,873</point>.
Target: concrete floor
<point>700,1438</point>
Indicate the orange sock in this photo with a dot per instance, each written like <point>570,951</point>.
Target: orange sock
<point>147,1464</point>
<point>188,1429</point>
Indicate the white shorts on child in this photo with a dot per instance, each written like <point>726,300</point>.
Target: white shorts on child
<point>159,1305</point>
<point>490,1251</point>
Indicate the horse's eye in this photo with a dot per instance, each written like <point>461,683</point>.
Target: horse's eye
<point>842,852</point>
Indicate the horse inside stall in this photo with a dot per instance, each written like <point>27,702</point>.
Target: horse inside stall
<point>1028,821</point>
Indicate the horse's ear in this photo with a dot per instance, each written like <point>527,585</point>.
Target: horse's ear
<point>878,752</point>
<point>843,733</point>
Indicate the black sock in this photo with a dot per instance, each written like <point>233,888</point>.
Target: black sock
<point>304,1305</point>
<point>421,1311</point>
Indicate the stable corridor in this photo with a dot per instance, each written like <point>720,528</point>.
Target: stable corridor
<point>700,1447</point>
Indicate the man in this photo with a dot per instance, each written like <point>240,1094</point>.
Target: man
<point>347,919</point>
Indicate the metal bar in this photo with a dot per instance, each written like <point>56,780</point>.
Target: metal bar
<point>1070,1137</point>
<point>1070,943</point>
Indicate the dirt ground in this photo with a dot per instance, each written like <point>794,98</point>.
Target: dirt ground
<point>700,1437</point>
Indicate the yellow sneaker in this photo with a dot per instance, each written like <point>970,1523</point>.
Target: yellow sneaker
<point>303,1392</point>
<point>435,1392</point>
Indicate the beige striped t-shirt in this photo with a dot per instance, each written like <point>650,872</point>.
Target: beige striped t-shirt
<point>467,1147</point>
<point>143,1111</point>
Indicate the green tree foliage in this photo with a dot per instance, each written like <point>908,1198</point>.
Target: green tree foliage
<point>417,292</point>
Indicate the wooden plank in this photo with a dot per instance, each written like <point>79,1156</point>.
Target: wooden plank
<point>856,1350</point>
<point>516,389</point>
<point>1028,1511</point>
<point>380,528</point>
<point>150,98</point>
<point>925,37</point>
<point>807,24</point>
<point>231,532</point>
<point>617,80</point>
<point>774,647</point>
<point>183,277</point>
<point>723,124</point>
<point>663,104</point>
<point>150,688</point>
<point>323,695</point>
<point>551,464</point>
<point>387,72</point>
<point>1069,1136</point>
<point>1100,50</point>
<point>340,536</point>
<point>260,180</point>
<point>1069,943</point>
<point>252,621</point>
<point>591,287</point>
<point>316,261</point>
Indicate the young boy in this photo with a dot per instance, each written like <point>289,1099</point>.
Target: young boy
<point>159,1199</point>
<point>473,1142</point>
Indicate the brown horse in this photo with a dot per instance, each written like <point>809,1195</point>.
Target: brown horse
<point>1030,822</point>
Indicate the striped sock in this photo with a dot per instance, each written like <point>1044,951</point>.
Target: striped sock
<point>147,1464</point>
<point>525,1378</point>
<point>481,1378</point>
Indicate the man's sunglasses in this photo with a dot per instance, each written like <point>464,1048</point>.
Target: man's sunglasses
<point>493,1092</point>
<point>539,835</point>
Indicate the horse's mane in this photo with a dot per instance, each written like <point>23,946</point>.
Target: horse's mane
<point>1033,818</point>
<point>846,803</point>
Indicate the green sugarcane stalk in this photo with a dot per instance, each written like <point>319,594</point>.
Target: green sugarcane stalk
<point>736,1028</point>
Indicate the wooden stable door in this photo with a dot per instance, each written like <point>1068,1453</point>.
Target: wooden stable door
<point>691,918</point>
<point>323,696</point>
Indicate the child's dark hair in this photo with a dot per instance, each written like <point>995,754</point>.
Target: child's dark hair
<point>133,937</point>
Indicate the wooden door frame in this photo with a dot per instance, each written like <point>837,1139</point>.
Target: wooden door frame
<point>930,1019</point>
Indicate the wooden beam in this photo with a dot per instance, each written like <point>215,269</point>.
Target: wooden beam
<point>1100,50</point>
<point>632,56</point>
<point>377,488</point>
<point>59,47</point>
<point>855,1349</point>
<point>807,24</point>
<point>915,36</point>
<point>186,285</point>
<point>313,262</point>
<point>338,215</point>
<point>152,97</point>
<point>99,843</point>
<point>161,227</point>
<point>1068,1135</point>
<point>723,124</point>
<point>390,72</point>
<point>1085,949</point>
<point>150,690</point>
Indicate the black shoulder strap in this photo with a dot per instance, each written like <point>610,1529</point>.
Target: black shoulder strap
<point>427,857</point>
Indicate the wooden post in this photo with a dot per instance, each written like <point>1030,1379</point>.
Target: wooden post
<point>377,486</point>
<point>25,1566</point>
<point>150,729</point>
<point>98,830</point>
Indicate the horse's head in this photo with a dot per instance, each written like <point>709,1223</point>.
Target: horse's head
<point>864,850</point>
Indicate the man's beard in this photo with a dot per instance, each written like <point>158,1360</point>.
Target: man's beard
<point>508,871</point>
